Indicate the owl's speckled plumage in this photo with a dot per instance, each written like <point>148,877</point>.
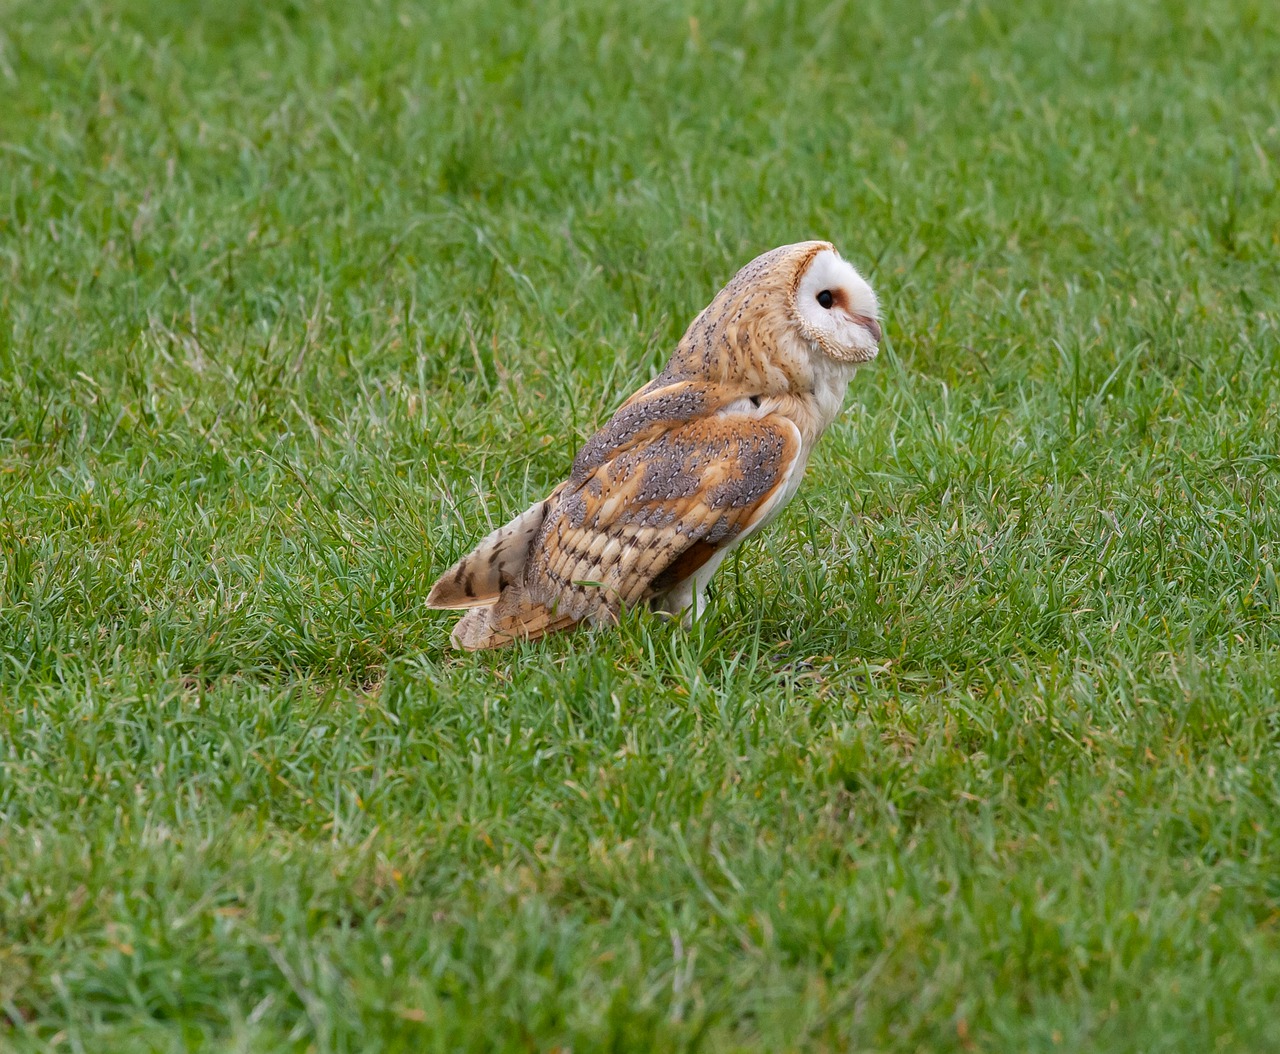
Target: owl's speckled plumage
<point>703,456</point>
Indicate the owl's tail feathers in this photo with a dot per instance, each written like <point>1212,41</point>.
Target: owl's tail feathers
<point>497,562</point>
<point>514,617</point>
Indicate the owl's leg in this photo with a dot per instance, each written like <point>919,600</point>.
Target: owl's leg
<point>698,599</point>
<point>687,600</point>
<point>696,606</point>
<point>675,601</point>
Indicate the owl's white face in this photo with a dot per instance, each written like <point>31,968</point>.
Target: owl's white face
<point>838,309</point>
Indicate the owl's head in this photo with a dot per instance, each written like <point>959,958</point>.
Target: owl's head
<point>835,308</point>
<point>796,299</point>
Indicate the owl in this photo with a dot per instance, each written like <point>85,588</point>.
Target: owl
<point>694,463</point>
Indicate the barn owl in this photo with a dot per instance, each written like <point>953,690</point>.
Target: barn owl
<point>693,464</point>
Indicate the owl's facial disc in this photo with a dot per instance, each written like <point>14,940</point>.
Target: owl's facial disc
<point>839,309</point>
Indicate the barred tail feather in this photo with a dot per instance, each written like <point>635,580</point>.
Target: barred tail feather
<point>496,563</point>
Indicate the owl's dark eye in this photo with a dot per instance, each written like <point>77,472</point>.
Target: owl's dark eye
<point>826,299</point>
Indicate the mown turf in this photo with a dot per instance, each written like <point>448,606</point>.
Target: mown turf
<point>979,746</point>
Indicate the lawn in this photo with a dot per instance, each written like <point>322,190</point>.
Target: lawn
<point>978,747</point>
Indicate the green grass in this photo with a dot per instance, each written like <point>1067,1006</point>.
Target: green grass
<point>979,746</point>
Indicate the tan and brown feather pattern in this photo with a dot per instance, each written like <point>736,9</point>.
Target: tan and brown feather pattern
<point>622,522</point>
<point>686,468</point>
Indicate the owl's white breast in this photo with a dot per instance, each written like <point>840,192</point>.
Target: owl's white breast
<point>830,382</point>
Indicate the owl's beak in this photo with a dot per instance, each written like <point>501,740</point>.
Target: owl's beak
<point>870,325</point>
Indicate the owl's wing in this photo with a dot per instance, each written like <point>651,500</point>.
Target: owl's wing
<point>637,521</point>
